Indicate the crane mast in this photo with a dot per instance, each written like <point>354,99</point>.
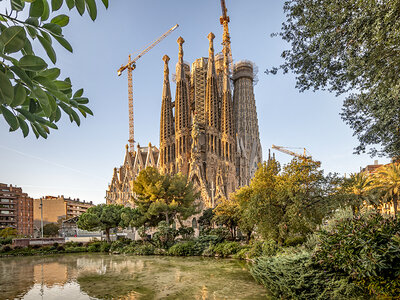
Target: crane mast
<point>130,66</point>
<point>284,150</point>
<point>226,38</point>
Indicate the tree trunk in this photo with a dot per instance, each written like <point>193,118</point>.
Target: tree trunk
<point>395,198</point>
<point>108,235</point>
<point>167,219</point>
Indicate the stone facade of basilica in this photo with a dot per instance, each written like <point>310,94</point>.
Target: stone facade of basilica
<point>209,132</point>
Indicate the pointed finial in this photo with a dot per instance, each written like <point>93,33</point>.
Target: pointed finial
<point>149,145</point>
<point>166,69</point>
<point>126,146</point>
<point>211,37</point>
<point>180,43</point>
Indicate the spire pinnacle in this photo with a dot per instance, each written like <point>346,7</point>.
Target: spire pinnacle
<point>211,37</point>
<point>180,42</point>
<point>166,69</point>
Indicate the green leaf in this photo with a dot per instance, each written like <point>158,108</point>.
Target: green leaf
<point>61,20</point>
<point>86,109</point>
<point>78,93</point>
<point>9,117</point>
<point>55,29</point>
<point>30,117</point>
<point>22,75</point>
<point>75,117</point>
<point>80,6</point>
<point>24,127</point>
<point>49,49</point>
<point>46,10</point>
<point>34,130</point>
<point>70,4</point>
<point>36,9</point>
<point>19,95</point>
<point>40,130</point>
<point>82,100</point>
<point>27,50</point>
<point>62,85</point>
<point>63,42</point>
<point>43,101</point>
<point>32,21</point>
<point>105,2</point>
<point>92,8</point>
<point>13,39</point>
<point>32,63</point>
<point>32,31</point>
<point>46,82</point>
<point>6,89</point>
<point>58,114</point>
<point>56,4</point>
<point>51,74</point>
<point>52,101</point>
<point>17,5</point>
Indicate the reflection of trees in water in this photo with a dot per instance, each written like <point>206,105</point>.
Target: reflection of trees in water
<point>128,277</point>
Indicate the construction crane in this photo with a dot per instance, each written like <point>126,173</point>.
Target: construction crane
<point>130,66</point>
<point>226,39</point>
<point>285,150</point>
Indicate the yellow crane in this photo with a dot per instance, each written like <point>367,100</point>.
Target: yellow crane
<point>285,150</point>
<point>226,39</point>
<point>130,66</point>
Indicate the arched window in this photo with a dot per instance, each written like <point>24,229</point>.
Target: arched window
<point>194,223</point>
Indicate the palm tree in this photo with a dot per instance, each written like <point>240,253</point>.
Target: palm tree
<point>360,186</point>
<point>387,179</point>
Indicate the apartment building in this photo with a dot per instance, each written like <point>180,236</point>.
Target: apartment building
<point>16,209</point>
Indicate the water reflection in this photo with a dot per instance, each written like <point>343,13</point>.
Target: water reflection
<point>94,276</point>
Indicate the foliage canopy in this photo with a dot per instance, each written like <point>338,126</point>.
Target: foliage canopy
<point>350,47</point>
<point>31,91</point>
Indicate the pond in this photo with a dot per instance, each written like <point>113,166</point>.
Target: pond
<point>97,276</point>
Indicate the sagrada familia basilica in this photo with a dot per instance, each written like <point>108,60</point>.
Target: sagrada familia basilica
<point>208,132</point>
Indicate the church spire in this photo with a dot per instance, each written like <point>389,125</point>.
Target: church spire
<point>211,101</point>
<point>227,109</point>
<point>166,120</point>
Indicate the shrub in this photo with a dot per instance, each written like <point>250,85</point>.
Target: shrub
<point>243,253</point>
<point>270,248</point>
<point>293,276</point>
<point>76,249</point>
<point>117,246</point>
<point>105,247</point>
<point>366,248</point>
<point>6,241</point>
<point>145,249</point>
<point>165,235</point>
<point>60,248</point>
<point>6,248</point>
<point>222,233</point>
<point>209,251</point>
<point>294,241</point>
<point>186,232</point>
<point>182,249</point>
<point>226,248</point>
<point>93,248</point>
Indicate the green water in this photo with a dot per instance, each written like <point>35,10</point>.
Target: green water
<point>95,276</point>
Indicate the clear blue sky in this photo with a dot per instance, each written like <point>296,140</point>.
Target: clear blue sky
<point>79,161</point>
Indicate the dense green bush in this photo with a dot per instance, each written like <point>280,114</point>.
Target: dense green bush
<point>222,233</point>
<point>165,235</point>
<point>75,249</point>
<point>294,241</point>
<point>105,247</point>
<point>366,248</point>
<point>293,276</point>
<point>6,241</point>
<point>183,249</point>
<point>145,249</point>
<point>226,248</point>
